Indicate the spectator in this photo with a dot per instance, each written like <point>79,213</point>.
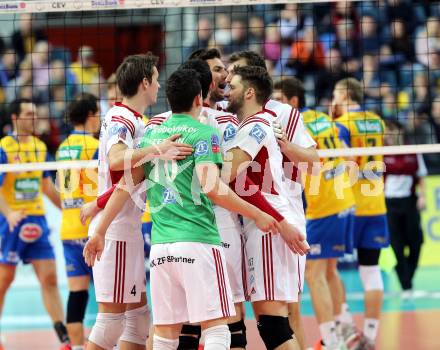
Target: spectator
<point>257,34</point>
<point>25,38</point>
<point>24,78</point>
<point>370,40</point>
<point>272,44</point>
<point>113,95</point>
<point>346,40</point>
<point>307,54</point>
<point>63,76</point>
<point>222,34</point>
<point>400,42</point>
<point>403,174</point>
<point>40,70</point>
<point>204,33</point>
<point>326,78</point>
<point>290,22</point>
<point>87,72</point>
<point>9,64</point>
<point>402,9</point>
<point>427,39</point>
<point>238,37</point>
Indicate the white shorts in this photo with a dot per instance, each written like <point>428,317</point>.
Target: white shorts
<point>231,234</point>
<point>299,282</point>
<point>189,283</point>
<point>119,276</point>
<point>272,267</point>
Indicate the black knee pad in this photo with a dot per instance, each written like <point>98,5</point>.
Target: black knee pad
<point>368,257</point>
<point>274,330</point>
<point>189,337</point>
<point>238,334</point>
<point>76,306</point>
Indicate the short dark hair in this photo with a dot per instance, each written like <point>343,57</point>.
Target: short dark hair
<point>205,54</point>
<point>252,58</point>
<point>181,89</point>
<point>15,106</point>
<point>79,109</point>
<point>258,78</point>
<point>292,87</point>
<point>133,70</point>
<point>353,88</point>
<point>205,75</point>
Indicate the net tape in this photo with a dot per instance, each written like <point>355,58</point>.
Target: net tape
<point>324,153</point>
<point>94,5</point>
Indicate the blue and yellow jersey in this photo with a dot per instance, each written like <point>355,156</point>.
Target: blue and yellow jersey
<point>146,218</point>
<point>327,193</point>
<point>23,190</point>
<point>76,186</point>
<point>360,128</point>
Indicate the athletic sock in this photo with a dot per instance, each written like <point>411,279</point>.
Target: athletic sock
<point>160,343</point>
<point>346,315</point>
<point>217,338</point>
<point>328,334</point>
<point>61,331</point>
<point>78,347</point>
<point>371,326</point>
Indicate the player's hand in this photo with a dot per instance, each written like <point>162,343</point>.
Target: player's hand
<point>266,223</point>
<point>93,249</point>
<point>280,135</point>
<point>88,211</point>
<point>294,238</point>
<point>14,218</point>
<point>171,150</point>
<point>421,203</point>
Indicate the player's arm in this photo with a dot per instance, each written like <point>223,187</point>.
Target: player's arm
<point>221,194</point>
<point>122,157</point>
<point>296,153</point>
<point>120,195</point>
<point>12,217</point>
<point>50,191</point>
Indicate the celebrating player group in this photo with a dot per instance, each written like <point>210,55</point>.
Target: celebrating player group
<point>222,175</point>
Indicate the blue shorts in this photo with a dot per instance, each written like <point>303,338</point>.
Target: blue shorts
<point>146,233</point>
<point>371,232</point>
<point>73,254</point>
<point>328,236</point>
<point>29,241</point>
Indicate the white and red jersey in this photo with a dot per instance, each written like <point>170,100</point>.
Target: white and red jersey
<point>292,122</point>
<point>255,136</point>
<point>227,125</point>
<point>121,124</point>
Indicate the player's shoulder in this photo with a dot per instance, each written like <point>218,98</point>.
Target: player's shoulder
<point>158,119</point>
<point>313,115</point>
<point>39,144</point>
<point>7,142</point>
<point>219,116</point>
<point>263,119</point>
<point>277,109</point>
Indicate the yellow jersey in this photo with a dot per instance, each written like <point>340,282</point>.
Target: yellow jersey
<point>360,128</point>
<point>76,186</point>
<point>23,190</point>
<point>327,193</point>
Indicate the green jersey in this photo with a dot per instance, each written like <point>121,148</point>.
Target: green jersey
<point>180,211</point>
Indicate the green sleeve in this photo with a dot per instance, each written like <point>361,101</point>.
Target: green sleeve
<point>207,147</point>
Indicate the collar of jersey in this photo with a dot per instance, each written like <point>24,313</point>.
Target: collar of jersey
<point>360,109</point>
<point>136,114</point>
<point>182,115</point>
<point>78,132</point>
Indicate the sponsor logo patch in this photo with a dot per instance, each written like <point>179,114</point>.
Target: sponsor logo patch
<point>215,144</point>
<point>229,133</point>
<point>30,233</point>
<point>201,148</point>
<point>258,133</point>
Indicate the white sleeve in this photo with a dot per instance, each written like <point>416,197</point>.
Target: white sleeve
<point>251,138</point>
<point>301,137</point>
<point>421,171</point>
<point>120,129</point>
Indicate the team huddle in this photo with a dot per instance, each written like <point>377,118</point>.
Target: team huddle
<point>222,175</point>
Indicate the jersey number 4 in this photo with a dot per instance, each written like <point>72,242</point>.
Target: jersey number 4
<point>133,290</point>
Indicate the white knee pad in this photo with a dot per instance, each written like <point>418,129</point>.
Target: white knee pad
<point>217,338</point>
<point>107,330</point>
<point>371,277</point>
<point>160,343</point>
<point>137,325</point>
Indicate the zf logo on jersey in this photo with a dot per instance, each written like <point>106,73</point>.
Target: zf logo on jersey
<point>201,148</point>
<point>168,196</point>
<point>229,133</point>
<point>215,144</point>
<point>258,133</point>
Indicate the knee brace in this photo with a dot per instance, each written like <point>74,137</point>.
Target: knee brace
<point>274,330</point>
<point>368,257</point>
<point>160,343</point>
<point>76,306</point>
<point>107,330</point>
<point>189,337</point>
<point>238,334</point>
<point>217,338</point>
<point>371,277</point>
<point>137,325</point>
